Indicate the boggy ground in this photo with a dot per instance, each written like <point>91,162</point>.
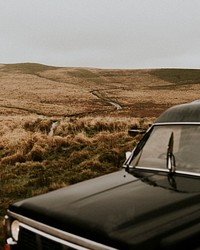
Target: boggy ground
<point>59,126</point>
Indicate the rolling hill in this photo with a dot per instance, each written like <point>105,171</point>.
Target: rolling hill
<point>59,126</point>
<point>65,92</point>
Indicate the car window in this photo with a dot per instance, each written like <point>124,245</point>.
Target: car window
<point>186,148</point>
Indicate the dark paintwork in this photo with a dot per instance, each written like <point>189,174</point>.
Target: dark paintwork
<point>120,209</point>
<point>189,112</point>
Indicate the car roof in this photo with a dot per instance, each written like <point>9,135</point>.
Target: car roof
<point>189,112</point>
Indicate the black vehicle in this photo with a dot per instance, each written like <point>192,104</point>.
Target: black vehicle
<point>153,202</point>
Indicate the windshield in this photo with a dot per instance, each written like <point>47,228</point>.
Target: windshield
<point>186,148</point>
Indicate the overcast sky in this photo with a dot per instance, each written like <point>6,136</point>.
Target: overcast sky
<point>101,33</point>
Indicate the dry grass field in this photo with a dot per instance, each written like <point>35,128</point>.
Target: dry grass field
<point>59,126</point>
<point>66,92</point>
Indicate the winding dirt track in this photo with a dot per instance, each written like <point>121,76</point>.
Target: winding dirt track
<point>98,94</point>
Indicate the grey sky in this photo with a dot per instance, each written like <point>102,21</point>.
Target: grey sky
<point>101,33</point>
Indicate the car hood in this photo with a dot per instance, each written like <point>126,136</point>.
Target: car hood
<point>120,209</point>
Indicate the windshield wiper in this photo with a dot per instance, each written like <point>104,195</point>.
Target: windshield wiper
<point>171,162</point>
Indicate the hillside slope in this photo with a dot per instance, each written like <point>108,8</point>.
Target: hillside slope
<point>59,126</point>
<point>57,91</point>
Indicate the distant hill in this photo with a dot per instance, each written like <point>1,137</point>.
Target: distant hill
<point>59,91</point>
<point>60,125</point>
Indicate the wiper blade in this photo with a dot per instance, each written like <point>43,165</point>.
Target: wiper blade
<point>171,162</point>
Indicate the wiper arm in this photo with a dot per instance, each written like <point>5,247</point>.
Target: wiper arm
<point>171,162</point>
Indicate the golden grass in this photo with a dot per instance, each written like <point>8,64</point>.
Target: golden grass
<point>33,162</point>
<point>54,91</point>
<point>89,136</point>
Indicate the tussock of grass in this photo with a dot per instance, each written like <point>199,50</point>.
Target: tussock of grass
<point>42,125</point>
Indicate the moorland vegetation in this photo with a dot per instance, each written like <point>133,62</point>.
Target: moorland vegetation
<point>59,126</point>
